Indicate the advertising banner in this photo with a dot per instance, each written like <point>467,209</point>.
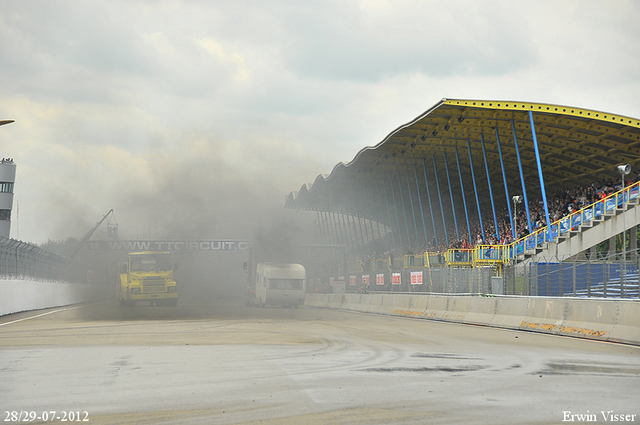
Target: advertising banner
<point>166,245</point>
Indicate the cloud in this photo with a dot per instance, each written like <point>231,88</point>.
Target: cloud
<point>434,38</point>
<point>198,118</point>
<point>227,57</point>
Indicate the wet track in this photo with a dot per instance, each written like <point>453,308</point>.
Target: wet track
<point>227,364</point>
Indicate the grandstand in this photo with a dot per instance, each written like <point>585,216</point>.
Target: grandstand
<point>504,194</point>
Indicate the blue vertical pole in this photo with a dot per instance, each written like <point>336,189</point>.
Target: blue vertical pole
<point>475,190</point>
<point>355,228</point>
<point>331,229</point>
<point>336,217</point>
<point>413,210</point>
<point>384,219</point>
<point>357,225</point>
<point>444,221</point>
<point>544,192</point>
<point>524,189</point>
<point>464,197</point>
<point>347,236</point>
<point>363,235</point>
<point>404,212</point>
<point>323,237</point>
<point>328,221</point>
<point>424,225</point>
<point>343,229</point>
<point>453,207</point>
<point>493,207</point>
<point>362,213</point>
<point>386,199</point>
<point>366,205</point>
<point>352,231</point>
<point>433,220</point>
<point>506,187</point>
<point>395,208</point>
<point>373,208</point>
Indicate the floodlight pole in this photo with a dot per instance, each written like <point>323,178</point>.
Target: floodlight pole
<point>623,169</point>
<point>624,243</point>
<point>516,199</point>
<point>515,219</point>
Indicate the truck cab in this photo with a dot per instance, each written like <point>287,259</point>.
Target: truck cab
<point>147,276</point>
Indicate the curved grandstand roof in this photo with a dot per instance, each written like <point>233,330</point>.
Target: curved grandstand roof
<point>576,146</point>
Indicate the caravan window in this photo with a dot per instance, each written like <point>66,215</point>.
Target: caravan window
<point>285,283</point>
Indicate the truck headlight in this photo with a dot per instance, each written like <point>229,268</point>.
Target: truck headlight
<point>171,289</point>
<point>134,290</point>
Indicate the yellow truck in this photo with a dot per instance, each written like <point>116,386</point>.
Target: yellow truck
<point>147,276</point>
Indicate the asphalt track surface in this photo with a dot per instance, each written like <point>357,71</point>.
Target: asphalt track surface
<point>229,364</point>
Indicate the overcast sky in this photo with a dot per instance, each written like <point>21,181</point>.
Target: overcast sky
<point>196,118</point>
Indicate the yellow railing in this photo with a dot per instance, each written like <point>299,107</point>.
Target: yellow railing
<point>571,222</point>
<point>487,255</point>
<point>413,261</point>
<point>459,257</point>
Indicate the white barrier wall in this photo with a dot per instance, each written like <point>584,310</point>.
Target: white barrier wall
<point>601,319</point>
<point>24,295</point>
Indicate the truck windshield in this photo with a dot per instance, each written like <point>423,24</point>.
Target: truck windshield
<point>150,262</point>
<point>285,283</point>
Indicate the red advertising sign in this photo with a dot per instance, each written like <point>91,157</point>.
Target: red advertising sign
<point>380,279</point>
<point>352,280</point>
<point>416,278</point>
<point>395,278</point>
<point>365,279</point>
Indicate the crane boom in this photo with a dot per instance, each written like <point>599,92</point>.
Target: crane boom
<point>89,233</point>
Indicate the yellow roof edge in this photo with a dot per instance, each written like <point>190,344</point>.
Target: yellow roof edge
<point>545,107</point>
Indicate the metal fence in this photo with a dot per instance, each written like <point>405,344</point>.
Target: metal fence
<point>440,279</point>
<point>598,276</point>
<point>21,260</point>
<point>592,275</point>
<point>457,280</point>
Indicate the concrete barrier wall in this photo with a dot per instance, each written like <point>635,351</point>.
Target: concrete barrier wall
<point>601,319</point>
<point>25,295</point>
<point>482,310</point>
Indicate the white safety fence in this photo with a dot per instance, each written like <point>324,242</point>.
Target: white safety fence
<point>32,279</point>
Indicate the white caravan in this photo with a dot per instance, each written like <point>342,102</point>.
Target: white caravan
<point>280,284</point>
